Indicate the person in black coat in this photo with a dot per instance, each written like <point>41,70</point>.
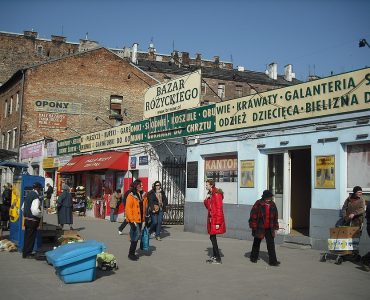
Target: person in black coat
<point>366,258</point>
<point>64,206</point>
<point>5,206</point>
<point>157,206</point>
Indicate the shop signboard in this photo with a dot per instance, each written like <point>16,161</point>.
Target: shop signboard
<point>106,139</point>
<point>333,95</point>
<point>69,146</point>
<point>51,149</point>
<point>58,106</point>
<point>178,124</point>
<point>174,95</point>
<point>31,150</point>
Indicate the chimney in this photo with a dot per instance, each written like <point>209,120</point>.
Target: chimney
<point>288,73</point>
<point>272,70</point>
<point>185,58</point>
<point>87,45</point>
<point>198,59</point>
<point>134,53</point>
<point>216,60</point>
<point>58,39</point>
<point>241,69</point>
<point>30,34</point>
<point>151,51</point>
<point>175,56</point>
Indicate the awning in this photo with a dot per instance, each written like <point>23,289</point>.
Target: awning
<point>98,161</point>
<point>13,164</point>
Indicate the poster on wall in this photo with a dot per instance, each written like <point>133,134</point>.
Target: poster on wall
<point>222,168</point>
<point>247,173</point>
<point>325,172</point>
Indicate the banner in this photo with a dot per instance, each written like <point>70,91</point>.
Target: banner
<point>343,93</point>
<point>106,139</point>
<point>178,94</point>
<point>56,106</point>
<point>69,146</point>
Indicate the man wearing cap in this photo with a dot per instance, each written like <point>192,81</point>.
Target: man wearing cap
<point>32,216</point>
<point>264,222</point>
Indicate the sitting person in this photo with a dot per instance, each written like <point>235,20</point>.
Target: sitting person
<point>353,209</point>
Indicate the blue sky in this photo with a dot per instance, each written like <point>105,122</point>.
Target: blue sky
<point>316,36</point>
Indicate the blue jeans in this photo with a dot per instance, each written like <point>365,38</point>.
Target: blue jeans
<point>135,232</point>
<point>156,223</point>
<point>113,216</point>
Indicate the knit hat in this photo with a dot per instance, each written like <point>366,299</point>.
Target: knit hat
<point>356,189</point>
<point>65,187</point>
<point>266,194</point>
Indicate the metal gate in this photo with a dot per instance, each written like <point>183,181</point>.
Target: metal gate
<point>174,184</point>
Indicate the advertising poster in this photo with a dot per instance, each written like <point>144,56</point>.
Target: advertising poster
<point>247,173</point>
<point>325,172</point>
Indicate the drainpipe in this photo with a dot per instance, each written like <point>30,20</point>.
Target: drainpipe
<point>20,114</point>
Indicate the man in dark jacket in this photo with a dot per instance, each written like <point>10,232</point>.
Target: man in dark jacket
<point>32,216</point>
<point>49,193</point>
<point>366,258</point>
<point>264,221</point>
<point>64,207</point>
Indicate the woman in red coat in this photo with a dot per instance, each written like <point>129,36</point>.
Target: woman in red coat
<point>215,220</point>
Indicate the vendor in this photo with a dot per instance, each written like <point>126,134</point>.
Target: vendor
<point>354,208</point>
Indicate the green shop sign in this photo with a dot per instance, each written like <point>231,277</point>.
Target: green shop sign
<point>69,146</point>
<point>177,124</point>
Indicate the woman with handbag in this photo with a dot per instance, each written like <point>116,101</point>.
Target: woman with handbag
<point>215,218</point>
<point>157,205</point>
<point>136,207</point>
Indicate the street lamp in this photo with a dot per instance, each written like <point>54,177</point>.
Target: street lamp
<point>363,43</point>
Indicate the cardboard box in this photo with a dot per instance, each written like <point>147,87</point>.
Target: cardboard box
<point>345,232</point>
<point>343,244</point>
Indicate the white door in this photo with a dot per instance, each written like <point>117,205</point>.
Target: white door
<point>279,185</point>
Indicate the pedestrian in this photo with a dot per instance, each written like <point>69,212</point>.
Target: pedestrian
<point>64,207</point>
<point>264,222</point>
<point>136,208</point>
<point>366,257</point>
<point>215,218</point>
<point>113,204</point>
<point>49,192</point>
<point>157,206</point>
<point>124,198</point>
<point>32,216</point>
<point>353,209</point>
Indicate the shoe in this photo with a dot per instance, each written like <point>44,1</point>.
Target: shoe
<point>120,232</point>
<point>30,256</point>
<point>274,264</point>
<point>214,261</point>
<point>152,235</point>
<point>158,238</point>
<point>133,257</point>
<point>253,260</point>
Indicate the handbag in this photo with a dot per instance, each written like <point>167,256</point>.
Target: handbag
<point>144,242</point>
<point>155,208</point>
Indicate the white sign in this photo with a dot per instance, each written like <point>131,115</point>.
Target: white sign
<point>178,94</point>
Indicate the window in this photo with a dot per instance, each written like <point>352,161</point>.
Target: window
<point>6,109</point>
<point>14,137</point>
<point>221,90</point>
<point>40,50</point>
<point>8,140</point>
<point>204,88</point>
<point>358,166</point>
<point>2,140</point>
<point>239,91</point>
<point>11,106</point>
<point>17,102</point>
<point>116,105</point>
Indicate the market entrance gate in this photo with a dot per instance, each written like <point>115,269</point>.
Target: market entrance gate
<point>174,185</point>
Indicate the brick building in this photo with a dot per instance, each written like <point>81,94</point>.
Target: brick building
<point>101,87</point>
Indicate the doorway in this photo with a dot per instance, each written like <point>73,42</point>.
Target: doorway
<point>300,195</point>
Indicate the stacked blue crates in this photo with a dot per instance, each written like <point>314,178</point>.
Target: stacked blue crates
<point>76,262</point>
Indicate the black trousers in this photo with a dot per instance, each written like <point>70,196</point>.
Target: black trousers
<point>216,252</point>
<point>29,236</point>
<point>270,247</point>
<point>123,225</point>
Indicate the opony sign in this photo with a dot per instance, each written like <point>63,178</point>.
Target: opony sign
<point>178,94</point>
<point>56,106</point>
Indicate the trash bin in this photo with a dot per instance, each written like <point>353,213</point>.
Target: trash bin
<point>76,262</point>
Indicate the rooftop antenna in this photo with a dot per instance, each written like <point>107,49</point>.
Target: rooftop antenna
<point>231,58</point>
<point>62,30</point>
<point>87,36</point>
<point>314,70</point>
<point>173,45</point>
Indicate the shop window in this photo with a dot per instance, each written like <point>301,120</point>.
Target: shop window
<point>239,91</point>
<point>116,105</point>
<point>221,90</point>
<point>358,168</point>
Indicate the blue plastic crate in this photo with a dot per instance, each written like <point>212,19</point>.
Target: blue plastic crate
<point>76,262</point>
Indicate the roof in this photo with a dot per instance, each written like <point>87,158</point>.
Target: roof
<point>215,73</point>
<point>12,164</point>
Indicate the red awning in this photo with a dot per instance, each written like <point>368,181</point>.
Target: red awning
<point>106,160</point>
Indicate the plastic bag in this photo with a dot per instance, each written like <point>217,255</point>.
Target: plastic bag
<point>144,242</point>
